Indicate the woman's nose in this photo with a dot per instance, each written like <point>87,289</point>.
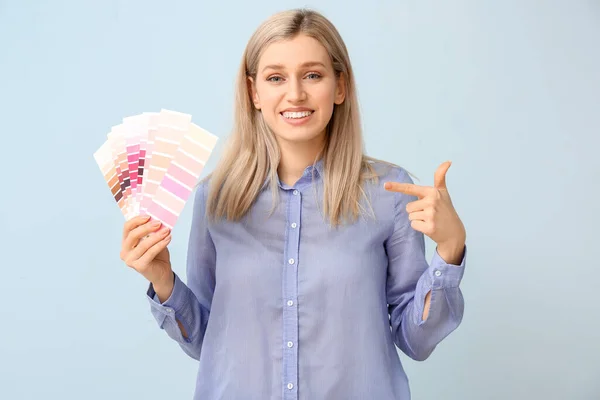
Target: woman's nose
<point>296,91</point>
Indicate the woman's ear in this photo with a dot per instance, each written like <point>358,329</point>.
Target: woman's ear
<point>340,90</point>
<point>253,92</point>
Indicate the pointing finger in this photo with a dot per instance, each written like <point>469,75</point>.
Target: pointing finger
<point>408,188</point>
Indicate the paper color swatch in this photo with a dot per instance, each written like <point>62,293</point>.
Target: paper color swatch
<point>152,161</point>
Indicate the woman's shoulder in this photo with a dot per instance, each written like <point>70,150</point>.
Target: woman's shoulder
<point>382,170</point>
<point>201,191</point>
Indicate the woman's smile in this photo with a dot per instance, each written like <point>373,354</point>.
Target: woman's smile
<point>296,118</point>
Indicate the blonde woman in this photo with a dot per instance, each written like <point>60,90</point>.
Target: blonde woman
<point>306,263</point>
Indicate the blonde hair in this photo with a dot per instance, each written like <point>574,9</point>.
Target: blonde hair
<point>252,154</point>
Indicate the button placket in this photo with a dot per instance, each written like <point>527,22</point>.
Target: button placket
<point>289,287</point>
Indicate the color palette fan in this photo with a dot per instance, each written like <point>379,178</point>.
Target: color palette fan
<point>152,161</point>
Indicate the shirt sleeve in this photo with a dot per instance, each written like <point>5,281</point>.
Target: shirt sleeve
<point>409,280</point>
<point>190,304</point>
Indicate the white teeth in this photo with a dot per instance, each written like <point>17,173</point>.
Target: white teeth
<point>300,114</point>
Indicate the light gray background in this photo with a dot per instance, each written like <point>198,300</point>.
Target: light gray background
<point>508,90</point>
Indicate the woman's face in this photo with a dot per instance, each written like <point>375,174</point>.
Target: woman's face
<point>296,89</point>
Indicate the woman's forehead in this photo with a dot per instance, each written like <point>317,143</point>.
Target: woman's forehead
<point>300,52</point>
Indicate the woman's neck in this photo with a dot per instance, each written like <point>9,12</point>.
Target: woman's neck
<point>295,157</point>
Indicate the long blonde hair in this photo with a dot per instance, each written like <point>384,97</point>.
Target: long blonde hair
<point>252,154</point>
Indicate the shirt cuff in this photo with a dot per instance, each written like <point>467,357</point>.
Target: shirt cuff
<point>174,303</point>
<point>443,275</point>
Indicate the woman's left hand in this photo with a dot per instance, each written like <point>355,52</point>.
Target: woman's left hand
<point>434,215</point>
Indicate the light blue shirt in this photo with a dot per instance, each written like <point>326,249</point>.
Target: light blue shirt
<point>286,307</point>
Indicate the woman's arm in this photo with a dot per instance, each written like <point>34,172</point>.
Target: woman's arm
<point>425,301</point>
<point>185,310</point>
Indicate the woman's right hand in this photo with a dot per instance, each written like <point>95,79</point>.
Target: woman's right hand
<point>144,248</point>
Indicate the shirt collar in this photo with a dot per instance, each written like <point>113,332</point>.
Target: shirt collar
<point>307,175</point>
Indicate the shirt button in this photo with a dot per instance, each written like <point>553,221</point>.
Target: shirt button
<point>438,273</point>
<point>295,193</point>
<point>290,344</point>
<point>291,260</point>
<point>294,225</point>
<point>290,386</point>
<point>169,310</point>
<point>290,303</point>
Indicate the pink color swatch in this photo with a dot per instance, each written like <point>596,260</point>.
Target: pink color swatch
<point>152,162</point>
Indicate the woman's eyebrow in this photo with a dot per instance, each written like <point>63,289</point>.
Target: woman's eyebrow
<point>304,65</point>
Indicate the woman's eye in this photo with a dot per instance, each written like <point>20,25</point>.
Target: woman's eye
<point>276,79</point>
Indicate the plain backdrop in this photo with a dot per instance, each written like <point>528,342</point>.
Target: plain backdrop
<point>507,90</point>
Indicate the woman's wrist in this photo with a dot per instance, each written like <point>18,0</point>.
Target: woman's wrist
<point>164,287</point>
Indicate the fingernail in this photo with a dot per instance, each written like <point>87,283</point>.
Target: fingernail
<point>156,223</point>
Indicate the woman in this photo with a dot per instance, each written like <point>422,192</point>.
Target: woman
<point>306,262</point>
